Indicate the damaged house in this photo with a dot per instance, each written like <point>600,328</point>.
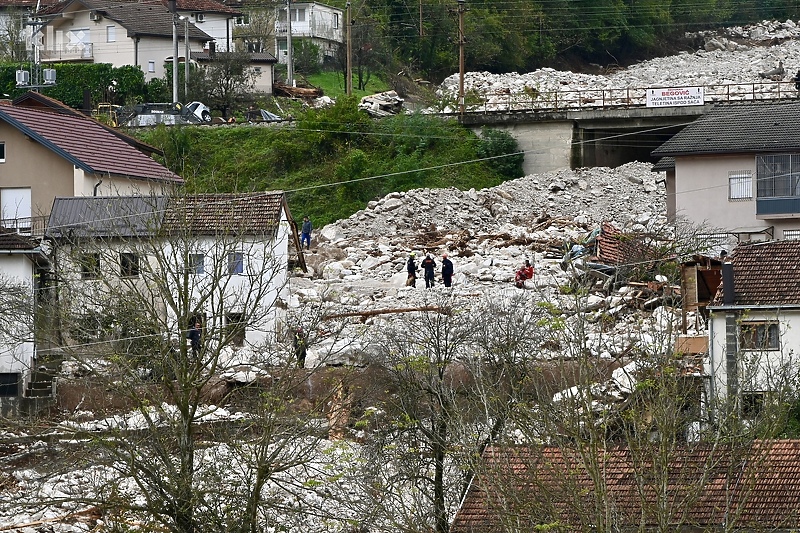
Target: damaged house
<point>754,330</point>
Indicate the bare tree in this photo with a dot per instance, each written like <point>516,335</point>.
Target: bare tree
<point>12,36</point>
<point>135,275</point>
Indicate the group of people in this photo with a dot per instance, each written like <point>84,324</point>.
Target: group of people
<point>428,266</point>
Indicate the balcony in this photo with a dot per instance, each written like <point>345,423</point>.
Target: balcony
<point>778,207</point>
<point>67,52</point>
<point>32,226</point>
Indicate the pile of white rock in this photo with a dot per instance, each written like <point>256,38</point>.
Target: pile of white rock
<point>732,60</point>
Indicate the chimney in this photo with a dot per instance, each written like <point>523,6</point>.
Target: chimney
<point>728,287</point>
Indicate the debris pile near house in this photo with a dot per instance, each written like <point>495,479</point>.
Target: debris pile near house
<point>281,89</point>
<point>382,104</point>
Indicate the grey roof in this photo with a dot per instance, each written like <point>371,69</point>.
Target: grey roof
<point>105,216</point>
<point>138,18</point>
<point>138,216</point>
<point>665,163</point>
<point>744,127</point>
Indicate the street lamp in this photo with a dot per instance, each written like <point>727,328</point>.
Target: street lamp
<point>172,5</point>
<point>187,53</point>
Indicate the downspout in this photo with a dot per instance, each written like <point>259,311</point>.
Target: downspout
<point>228,35</point>
<point>136,51</point>
<point>97,186</point>
<point>712,387</point>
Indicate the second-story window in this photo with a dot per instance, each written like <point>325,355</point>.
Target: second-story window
<point>778,175</point>
<point>111,34</point>
<point>196,264</point>
<point>129,265</point>
<point>336,20</point>
<point>2,152</point>
<point>235,263</point>
<point>90,266</point>
<point>759,336</point>
<point>151,66</point>
<point>740,185</point>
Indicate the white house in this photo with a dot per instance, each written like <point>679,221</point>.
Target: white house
<point>22,259</point>
<point>321,23</point>
<point>736,170</point>
<point>120,33</point>
<point>222,258</point>
<point>754,331</point>
<point>213,18</point>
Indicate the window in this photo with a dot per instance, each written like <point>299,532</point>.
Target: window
<point>2,152</point>
<point>778,175</point>
<point>235,328</point>
<point>740,185</point>
<point>129,265</point>
<point>242,20</point>
<point>9,384</point>
<point>90,266</point>
<point>257,71</point>
<point>111,34</point>
<point>791,234</point>
<point>196,264</point>
<point>759,336</point>
<point>336,20</point>
<point>752,404</point>
<point>235,263</point>
<point>151,66</point>
<point>299,15</point>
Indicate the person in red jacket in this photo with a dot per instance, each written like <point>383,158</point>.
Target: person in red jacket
<point>526,272</point>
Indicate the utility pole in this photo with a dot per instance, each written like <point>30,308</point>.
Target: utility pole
<point>289,60</point>
<point>172,6</point>
<point>421,29</point>
<point>461,42</point>
<point>348,77</point>
<point>187,53</point>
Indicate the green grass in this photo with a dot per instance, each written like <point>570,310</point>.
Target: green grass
<point>332,84</point>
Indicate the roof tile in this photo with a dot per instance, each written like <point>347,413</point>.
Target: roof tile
<point>765,273</point>
<point>86,142</point>
<point>755,486</point>
<point>755,126</point>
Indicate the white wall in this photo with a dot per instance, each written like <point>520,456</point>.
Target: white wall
<point>761,370</point>
<point>16,354</point>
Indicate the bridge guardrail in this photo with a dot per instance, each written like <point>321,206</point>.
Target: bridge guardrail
<point>581,99</point>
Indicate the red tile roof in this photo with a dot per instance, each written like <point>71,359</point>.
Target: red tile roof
<point>210,214</point>
<point>755,487</point>
<point>765,273</point>
<point>85,143</point>
<point>38,100</point>
<point>11,240</point>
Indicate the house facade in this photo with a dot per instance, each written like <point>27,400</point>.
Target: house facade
<point>124,33</point>
<point>218,258</point>
<point>46,153</point>
<point>754,329</point>
<point>736,171</point>
<point>320,23</point>
<point>22,260</point>
<point>214,18</point>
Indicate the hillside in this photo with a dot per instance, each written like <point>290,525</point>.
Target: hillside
<point>332,161</point>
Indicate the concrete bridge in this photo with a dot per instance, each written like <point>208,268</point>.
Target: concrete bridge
<point>600,127</point>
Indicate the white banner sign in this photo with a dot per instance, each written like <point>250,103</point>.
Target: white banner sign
<point>674,97</point>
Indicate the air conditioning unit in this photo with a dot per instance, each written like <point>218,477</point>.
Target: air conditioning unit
<point>49,76</point>
<point>95,16</point>
<point>199,17</point>
<point>23,78</point>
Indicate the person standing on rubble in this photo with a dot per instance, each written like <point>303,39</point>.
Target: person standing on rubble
<point>428,264</point>
<point>411,268</point>
<point>305,233</point>
<point>447,270</point>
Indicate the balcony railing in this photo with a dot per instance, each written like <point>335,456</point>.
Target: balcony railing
<point>775,207</point>
<point>32,226</point>
<point>67,52</point>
